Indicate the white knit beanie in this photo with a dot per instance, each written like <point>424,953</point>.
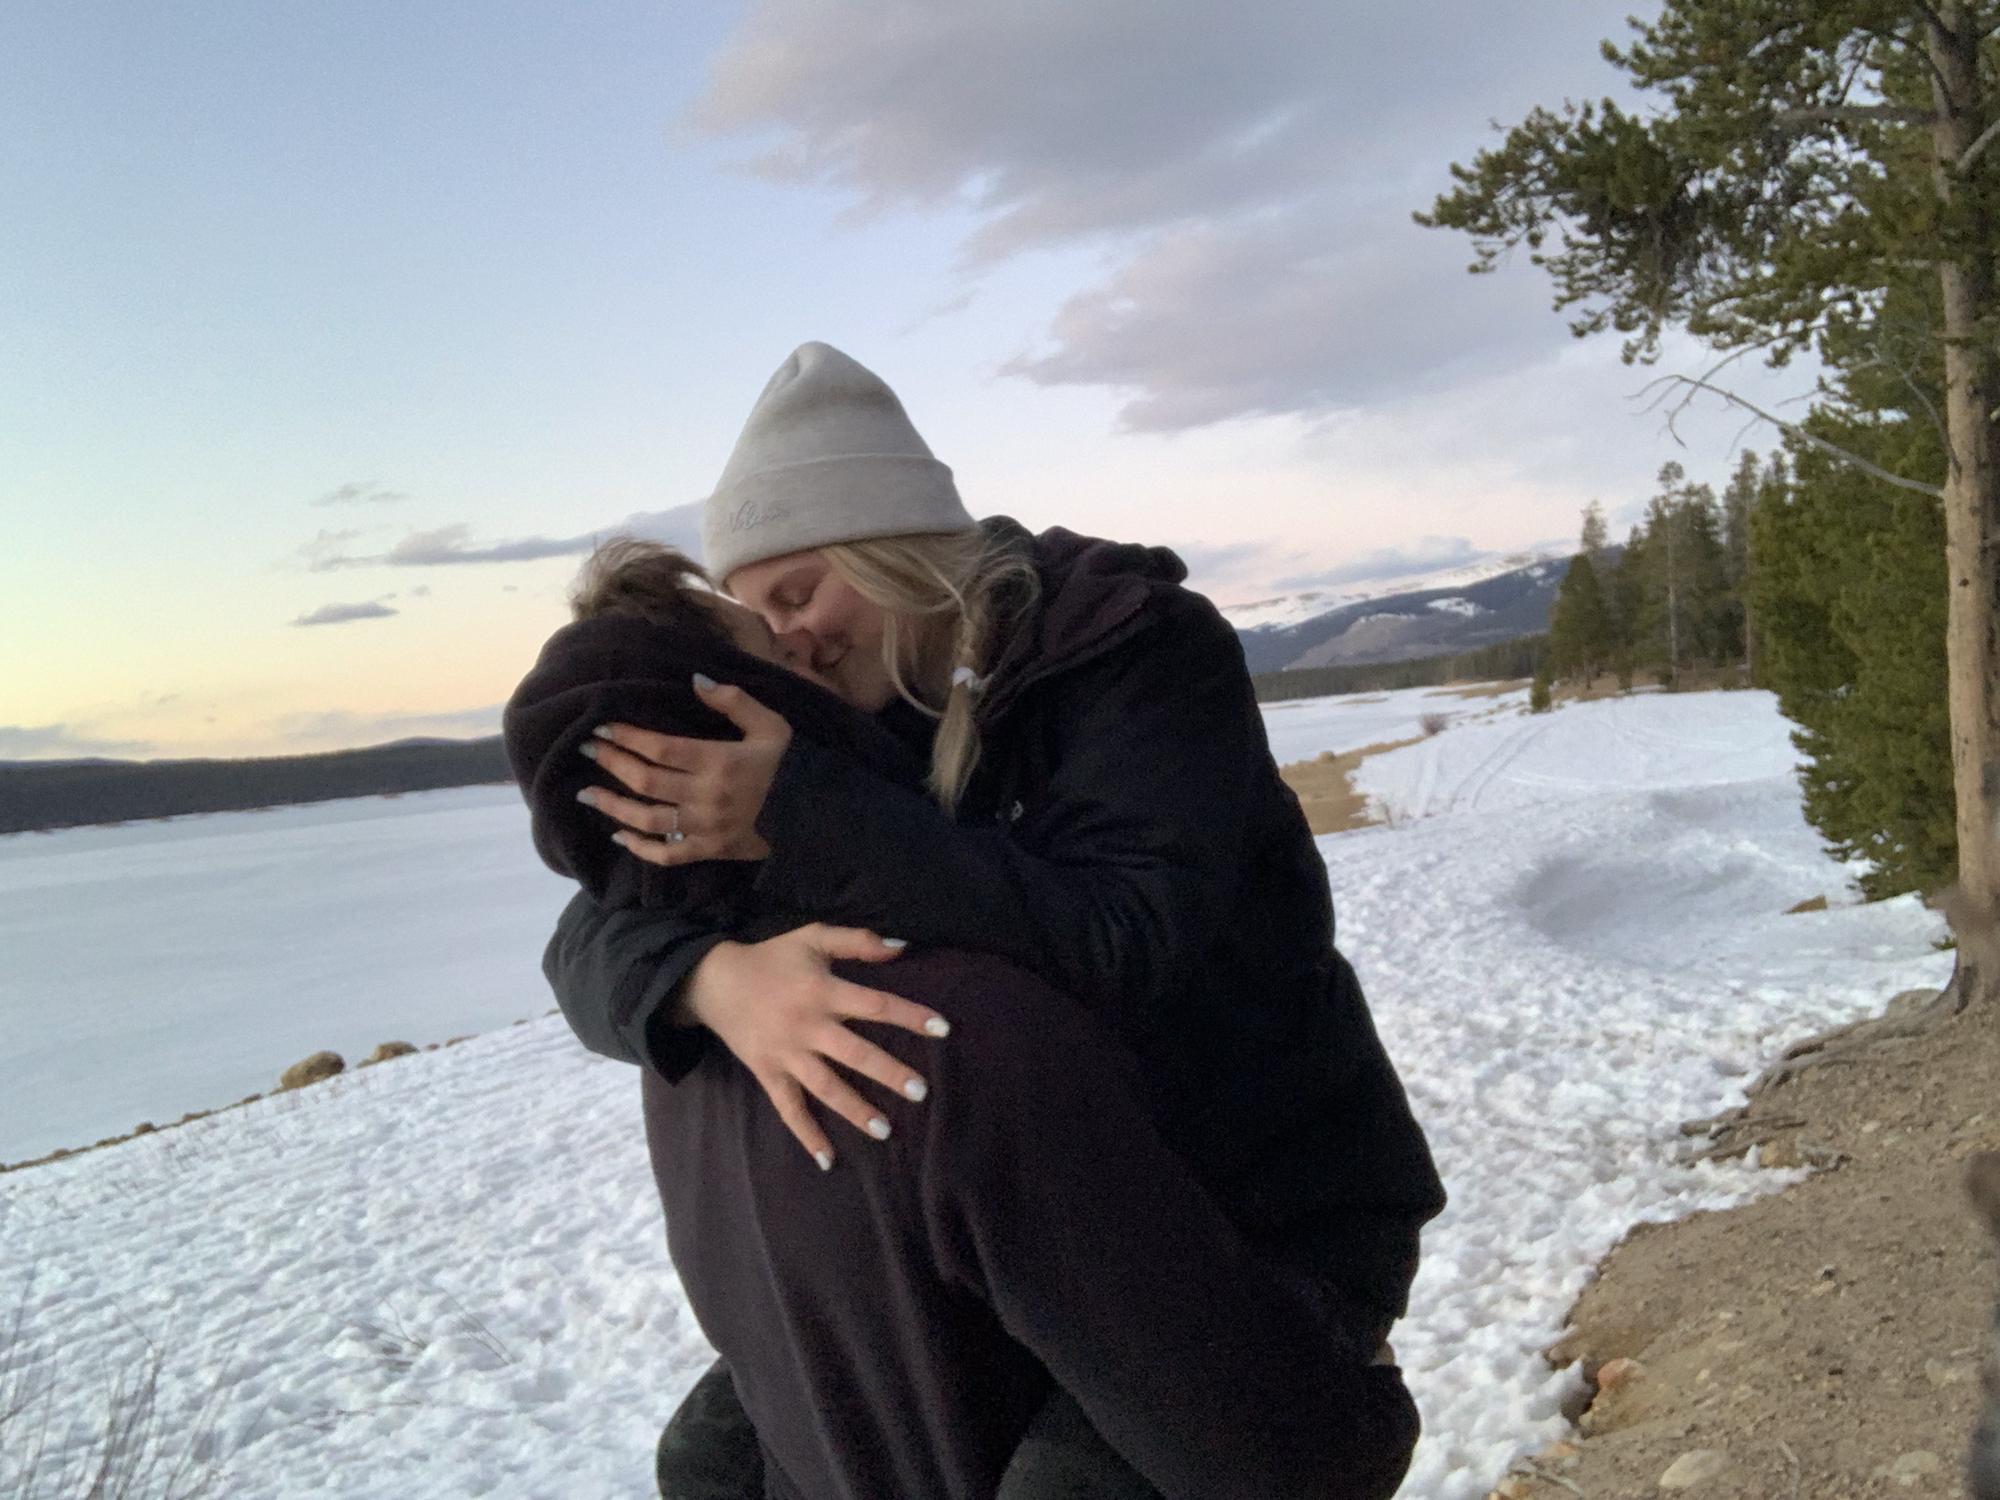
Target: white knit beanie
<point>828,455</point>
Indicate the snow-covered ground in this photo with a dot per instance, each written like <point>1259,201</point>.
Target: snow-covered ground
<point>445,1276</point>
<point>1301,728</point>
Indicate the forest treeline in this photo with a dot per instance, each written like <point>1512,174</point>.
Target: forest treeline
<point>72,794</point>
<point>1830,587</point>
<point>1499,662</point>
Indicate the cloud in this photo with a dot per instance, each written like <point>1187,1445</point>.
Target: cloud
<point>1426,554</point>
<point>343,727</point>
<point>1249,172</point>
<point>448,546</point>
<point>341,614</point>
<point>60,742</point>
<point>361,492</point>
<point>327,548</point>
<point>1305,313</point>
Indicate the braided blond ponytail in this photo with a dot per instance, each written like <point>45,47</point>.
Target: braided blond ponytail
<point>940,592</point>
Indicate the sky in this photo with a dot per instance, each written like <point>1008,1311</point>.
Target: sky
<point>333,334</point>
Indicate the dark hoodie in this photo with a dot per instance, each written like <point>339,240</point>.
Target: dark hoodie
<point>1128,838</point>
<point>893,1325</point>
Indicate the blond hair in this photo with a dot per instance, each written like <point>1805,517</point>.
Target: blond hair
<point>942,595</point>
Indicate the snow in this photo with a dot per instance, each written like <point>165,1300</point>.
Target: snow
<point>1457,606</point>
<point>1302,728</point>
<point>445,1276</point>
<point>1295,609</point>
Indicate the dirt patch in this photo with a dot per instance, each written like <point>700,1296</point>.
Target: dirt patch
<point>1825,1341</point>
<point>1325,787</point>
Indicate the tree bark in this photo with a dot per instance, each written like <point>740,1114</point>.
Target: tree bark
<point>1972,495</point>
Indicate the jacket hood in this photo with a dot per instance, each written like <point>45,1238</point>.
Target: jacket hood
<point>1093,596</point>
<point>614,668</point>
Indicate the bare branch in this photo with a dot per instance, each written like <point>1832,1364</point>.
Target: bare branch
<point>1986,138</point>
<point>1793,429</point>
<point>1930,13</point>
<point>1855,114</point>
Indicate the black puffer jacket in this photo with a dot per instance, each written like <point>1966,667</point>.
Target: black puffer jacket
<point>1126,836</point>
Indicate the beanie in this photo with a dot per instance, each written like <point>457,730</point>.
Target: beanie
<point>828,455</point>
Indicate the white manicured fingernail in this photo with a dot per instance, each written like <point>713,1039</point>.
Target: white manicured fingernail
<point>703,681</point>
<point>602,731</point>
<point>879,1128</point>
<point>938,1026</point>
<point>588,796</point>
<point>899,944</point>
<point>916,1089</point>
<point>622,839</point>
<point>587,750</point>
<point>825,1160</point>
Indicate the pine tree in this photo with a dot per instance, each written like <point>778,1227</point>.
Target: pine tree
<point>1713,618</point>
<point>1580,641</point>
<point>1850,590</point>
<point>1739,502</point>
<point>1540,698</point>
<point>1596,539</point>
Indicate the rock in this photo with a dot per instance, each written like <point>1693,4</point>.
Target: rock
<point>144,1127</point>
<point>1693,1468</point>
<point>386,1051</point>
<point>1814,903</point>
<point>1781,1154</point>
<point>1614,1373</point>
<point>1941,1373</point>
<point>312,1070</point>
<point>1912,1468</point>
<point>1513,1487</point>
<point>1561,1454</point>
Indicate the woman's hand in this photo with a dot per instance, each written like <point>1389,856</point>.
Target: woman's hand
<point>780,1009</point>
<point>701,798</point>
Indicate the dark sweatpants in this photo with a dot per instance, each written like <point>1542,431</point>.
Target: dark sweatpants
<point>708,1451</point>
<point>894,1327</point>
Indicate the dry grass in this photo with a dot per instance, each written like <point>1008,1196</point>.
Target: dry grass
<point>1481,689</point>
<point>127,1451</point>
<point>1325,787</point>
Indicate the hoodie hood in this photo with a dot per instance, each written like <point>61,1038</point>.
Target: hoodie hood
<point>615,668</point>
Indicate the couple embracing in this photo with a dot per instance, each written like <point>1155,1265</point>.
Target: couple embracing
<point>1020,1130</point>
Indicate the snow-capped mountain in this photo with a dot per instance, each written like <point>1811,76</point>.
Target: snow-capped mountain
<point>1432,614</point>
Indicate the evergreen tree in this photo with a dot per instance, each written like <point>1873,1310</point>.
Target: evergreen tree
<point>1596,539</point>
<point>1850,592</point>
<point>1739,501</point>
<point>1540,698</point>
<point>1799,162</point>
<point>1580,641</point>
<point>1713,620</point>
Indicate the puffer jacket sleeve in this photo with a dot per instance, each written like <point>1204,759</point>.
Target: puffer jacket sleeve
<point>1108,887</point>
<point>615,971</point>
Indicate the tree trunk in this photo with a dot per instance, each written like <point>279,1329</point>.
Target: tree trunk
<point>1972,499</point>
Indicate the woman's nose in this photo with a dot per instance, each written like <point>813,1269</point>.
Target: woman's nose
<point>796,644</point>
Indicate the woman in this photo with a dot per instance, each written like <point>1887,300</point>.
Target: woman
<point>1103,811</point>
<point>895,1325</point>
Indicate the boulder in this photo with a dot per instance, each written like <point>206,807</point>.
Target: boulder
<point>386,1051</point>
<point>312,1070</point>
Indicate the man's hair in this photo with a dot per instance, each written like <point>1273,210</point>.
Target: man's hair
<point>647,581</point>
